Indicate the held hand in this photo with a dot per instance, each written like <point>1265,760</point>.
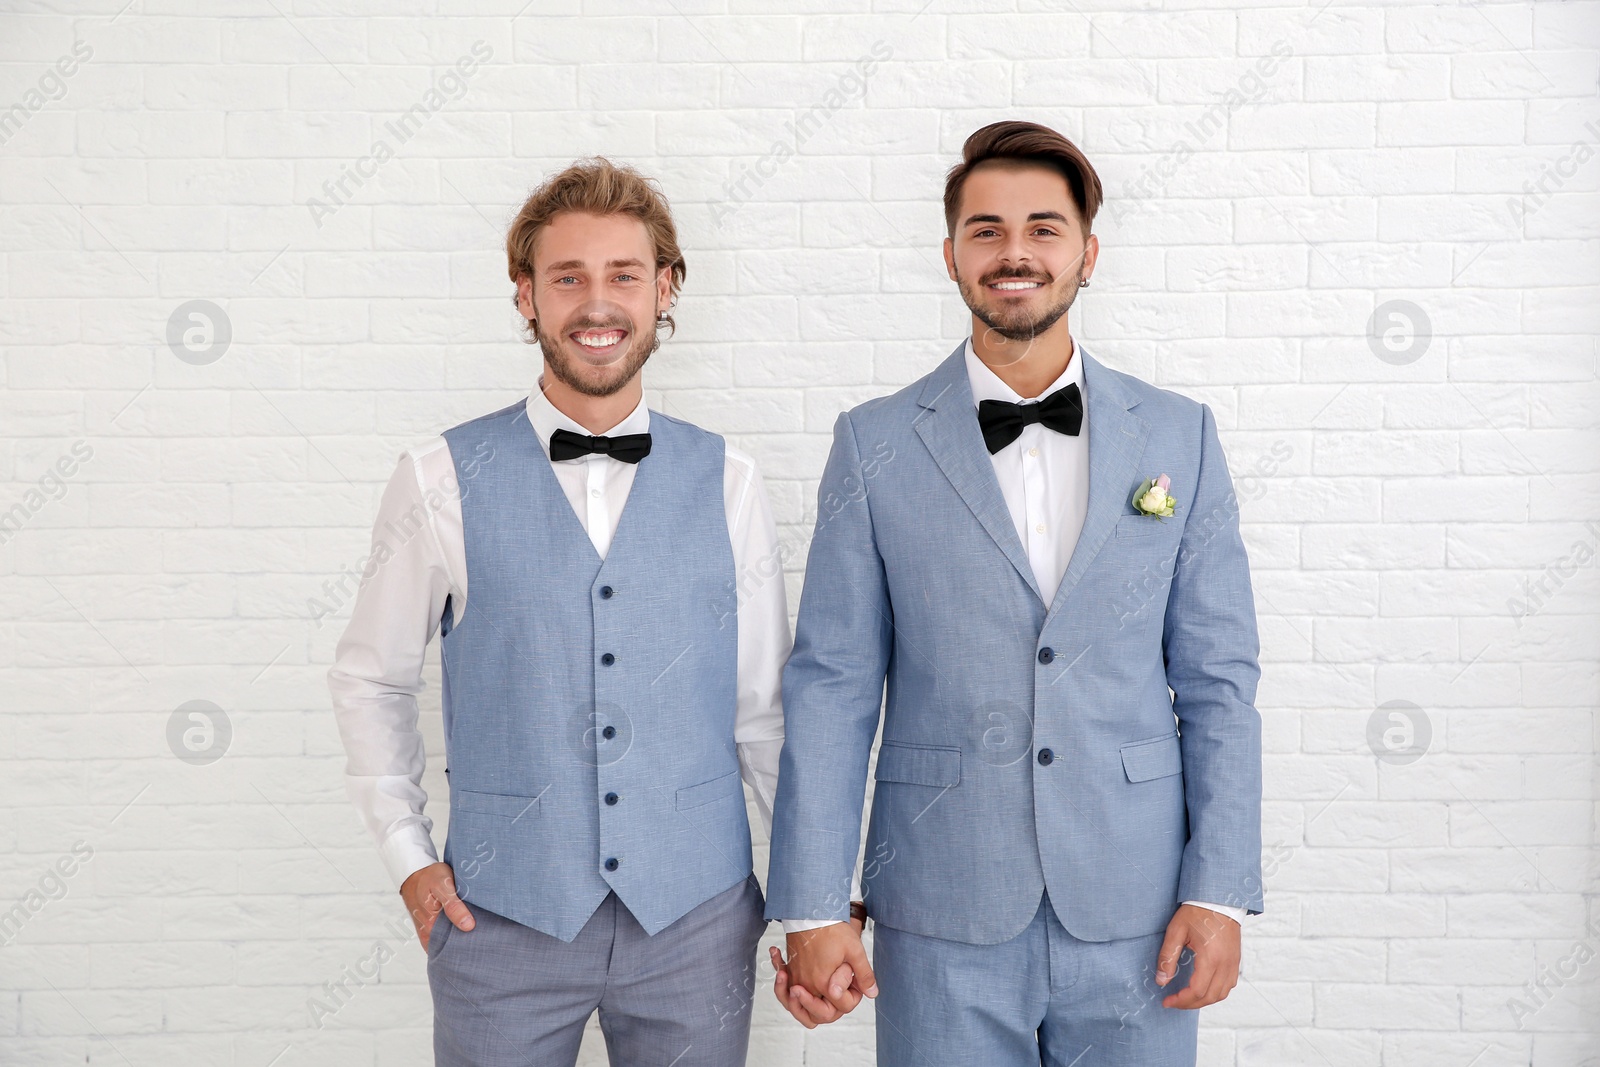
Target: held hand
<point>429,891</point>
<point>827,973</point>
<point>1214,940</point>
<point>808,1010</point>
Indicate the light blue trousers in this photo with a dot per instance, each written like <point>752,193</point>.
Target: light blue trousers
<point>505,994</point>
<point>1044,997</point>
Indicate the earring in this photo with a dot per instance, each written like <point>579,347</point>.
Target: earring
<point>1084,284</point>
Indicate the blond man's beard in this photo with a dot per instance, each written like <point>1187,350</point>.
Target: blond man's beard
<point>565,369</point>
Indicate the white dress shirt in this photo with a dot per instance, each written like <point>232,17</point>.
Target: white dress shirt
<point>1044,477</point>
<point>377,670</point>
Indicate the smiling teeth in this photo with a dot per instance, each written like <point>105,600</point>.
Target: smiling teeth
<point>603,340</point>
<point>1016,285</point>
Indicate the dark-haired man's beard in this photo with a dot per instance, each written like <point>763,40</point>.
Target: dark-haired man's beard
<point>1017,321</point>
<point>581,376</point>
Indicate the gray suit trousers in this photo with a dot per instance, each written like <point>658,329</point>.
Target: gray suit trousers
<point>506,995</point>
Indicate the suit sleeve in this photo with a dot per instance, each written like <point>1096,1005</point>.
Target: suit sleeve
<point>832,697</point>
<point>1211,650</point>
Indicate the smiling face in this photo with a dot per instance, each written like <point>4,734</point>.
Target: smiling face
<point>1019,253</point>
<point>594,296</point>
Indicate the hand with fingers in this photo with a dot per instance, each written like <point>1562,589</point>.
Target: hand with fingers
<point>429,891</point>
<point>826,975</point>
<point>1214,940</point>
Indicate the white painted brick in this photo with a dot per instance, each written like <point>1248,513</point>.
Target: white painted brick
<point>1531,822</point>
<point>1566,26</point>
<point>186,82</point>
<point>1546,914</point>
<point>280,41</point>
<point>1376,77</point>
<point>1329,959</point>
<point>1389,824</point>
<point>1396,152</point>
<point>1373,915</point>
<point>1487,962</point>
<point>1309,869</point>
<point>1409,29</point>
<point>1421,1007</point>
<point>1255,1004</point>
<point>1267,1046</point>
<point>1092,82</point>
<point>150,134</point>
<point>1307,126</point>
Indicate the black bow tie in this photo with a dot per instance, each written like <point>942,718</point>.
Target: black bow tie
<point>1002,421</point>
<point>628,447</point>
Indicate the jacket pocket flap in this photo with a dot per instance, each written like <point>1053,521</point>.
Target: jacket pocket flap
<point>725,785</point>
<point>918,764</point>
<point>1155,757</point>
<point>509,805</point>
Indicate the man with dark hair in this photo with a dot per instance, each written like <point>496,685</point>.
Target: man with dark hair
<point>1048,574</point>
<point>610,674</point>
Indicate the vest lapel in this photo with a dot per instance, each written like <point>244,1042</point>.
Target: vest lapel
<point>642,496</point>
<point>644,481</point>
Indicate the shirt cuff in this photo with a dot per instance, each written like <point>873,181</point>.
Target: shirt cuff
<point>1236,914</point>
<point>795,926</point>
<point>407,851</point>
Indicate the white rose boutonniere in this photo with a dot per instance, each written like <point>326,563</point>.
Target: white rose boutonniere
<point>1152,497</point>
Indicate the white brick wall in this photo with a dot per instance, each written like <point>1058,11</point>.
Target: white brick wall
<point>1397,510</point>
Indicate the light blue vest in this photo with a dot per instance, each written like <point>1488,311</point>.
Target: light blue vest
<point>589,705</point>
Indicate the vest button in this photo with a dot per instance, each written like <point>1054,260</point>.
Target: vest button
<point>611,798</point>
<point>1046,757</point>
<point>608,659</point>
<point>1046,655</point>
<point>612,864</point>
<point>609,732</point>
<point>606,591</point>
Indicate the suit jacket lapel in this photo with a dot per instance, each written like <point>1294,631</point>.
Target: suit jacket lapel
<point>1116,444</point>
<point>949,427</point>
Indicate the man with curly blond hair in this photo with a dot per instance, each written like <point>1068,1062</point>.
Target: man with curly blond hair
<point>610,681</point>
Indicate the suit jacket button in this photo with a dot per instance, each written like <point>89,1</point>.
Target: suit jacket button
<point>611,798</point>
<point>611,864</point>
<point>606,591</point>
<point>1046,757</point>
<point>609,732</point>
<point>608,659</point>
<point>1046,655</point>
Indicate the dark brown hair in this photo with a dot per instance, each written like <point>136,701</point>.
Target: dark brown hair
<point>1018,143</point>
<point>599,187</point>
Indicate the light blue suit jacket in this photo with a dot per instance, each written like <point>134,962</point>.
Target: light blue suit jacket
<point>1138,677</point>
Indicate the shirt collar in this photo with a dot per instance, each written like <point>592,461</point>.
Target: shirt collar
<point>546,419</point>
<point>986,384</point>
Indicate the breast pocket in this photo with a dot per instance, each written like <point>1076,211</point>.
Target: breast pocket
<point>1143,527</point>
